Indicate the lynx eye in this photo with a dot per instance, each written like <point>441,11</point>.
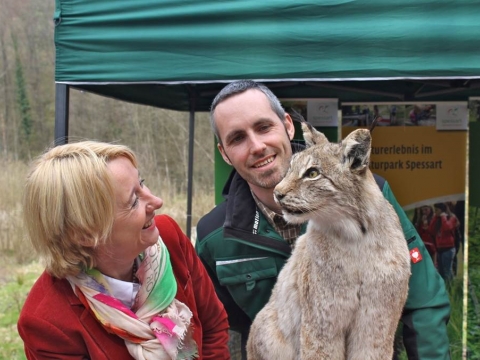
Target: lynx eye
<point>311,173</point>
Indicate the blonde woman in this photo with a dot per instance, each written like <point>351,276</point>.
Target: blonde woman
<point>120,282</point>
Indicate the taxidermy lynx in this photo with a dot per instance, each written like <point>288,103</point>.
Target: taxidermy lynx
<point>341,293</point>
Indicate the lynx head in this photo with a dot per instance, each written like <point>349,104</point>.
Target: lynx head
<point>326,180</point>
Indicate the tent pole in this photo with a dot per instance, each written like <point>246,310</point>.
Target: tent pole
<point>62,97</point>
<point>191,135</point>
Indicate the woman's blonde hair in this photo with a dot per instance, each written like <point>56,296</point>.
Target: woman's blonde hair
<point>69,204</point>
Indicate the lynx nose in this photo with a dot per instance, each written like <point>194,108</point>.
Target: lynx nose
<point>278,195</point>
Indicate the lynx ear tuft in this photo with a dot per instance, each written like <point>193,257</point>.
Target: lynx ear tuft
<point>356,150</point>
<point>312,136</point>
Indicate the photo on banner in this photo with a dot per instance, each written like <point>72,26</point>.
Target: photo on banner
<point>421,150</point>
<point>396,114</point>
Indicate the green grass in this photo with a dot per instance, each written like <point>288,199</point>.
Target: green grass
<point>455,325</point>
<point>13,292</point>
<point>473,318</point>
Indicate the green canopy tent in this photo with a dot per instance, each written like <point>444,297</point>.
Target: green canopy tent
<point>177,54</point>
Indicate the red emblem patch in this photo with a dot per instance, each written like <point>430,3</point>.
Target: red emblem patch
<point>415,255</point>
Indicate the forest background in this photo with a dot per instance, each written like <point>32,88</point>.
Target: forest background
<point>27,92</point>
<point>27,112</point>
<point>159,138</point>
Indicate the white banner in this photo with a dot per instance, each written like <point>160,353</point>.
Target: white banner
<point>452,116</point>
<point>322,112</point>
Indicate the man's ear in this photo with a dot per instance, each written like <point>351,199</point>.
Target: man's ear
<point>222,152</point>
<point>289,127</point>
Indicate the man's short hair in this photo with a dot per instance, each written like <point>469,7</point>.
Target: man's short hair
<point>238,87</point>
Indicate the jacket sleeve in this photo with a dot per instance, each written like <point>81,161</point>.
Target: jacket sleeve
<point>211,312</point>
<point>449,224</point>
<point>237,318</point>
<point>43,340</point>
<point>427,309</point>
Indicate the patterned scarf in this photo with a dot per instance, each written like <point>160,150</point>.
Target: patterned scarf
<point>158,325</point>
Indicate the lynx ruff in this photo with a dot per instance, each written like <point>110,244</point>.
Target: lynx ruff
<point>341,293</point>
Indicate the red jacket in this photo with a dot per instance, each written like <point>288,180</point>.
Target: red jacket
<point>54,323</point>
<point>445,235</point>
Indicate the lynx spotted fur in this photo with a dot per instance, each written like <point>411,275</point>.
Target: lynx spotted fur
<point>341,293</point>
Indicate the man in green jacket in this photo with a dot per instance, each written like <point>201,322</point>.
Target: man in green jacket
<point>244,242</point>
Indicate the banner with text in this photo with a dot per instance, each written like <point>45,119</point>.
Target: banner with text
<point>422,165</point>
